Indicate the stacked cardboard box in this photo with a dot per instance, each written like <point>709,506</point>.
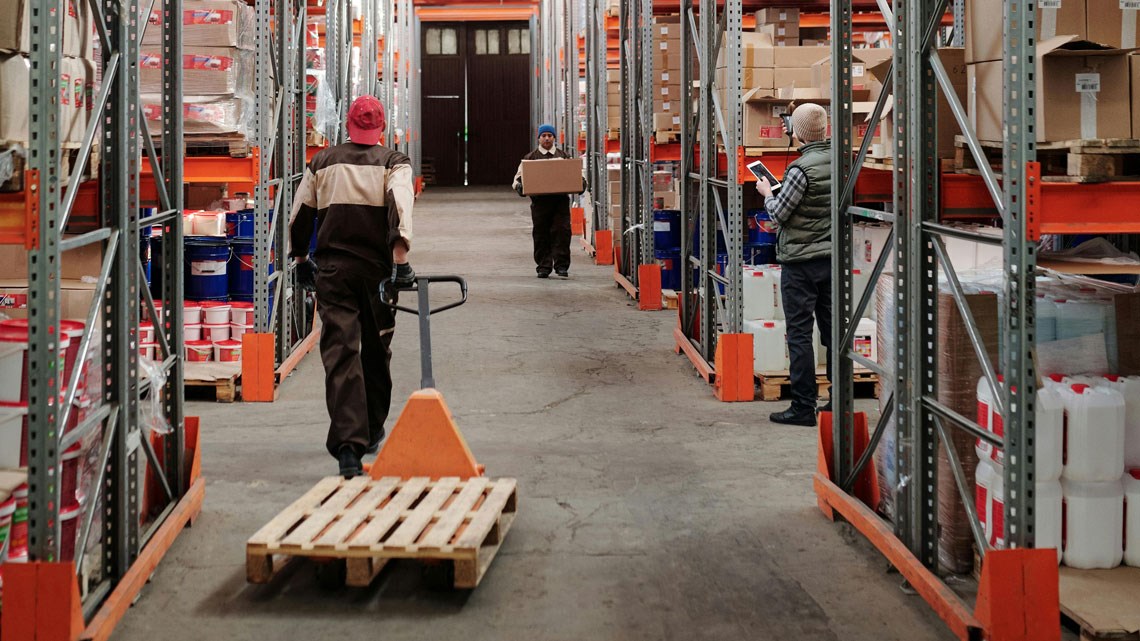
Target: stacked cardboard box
<point>76,77</point>
<point>667,90</point>
<point>217,63</point>
<point>613,101</point>
<point>781,25</point>
<point>953,59</point>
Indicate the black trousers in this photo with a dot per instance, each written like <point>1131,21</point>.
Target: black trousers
<point>551,232</point>
<point>356,347</point>
<point>805,289</point>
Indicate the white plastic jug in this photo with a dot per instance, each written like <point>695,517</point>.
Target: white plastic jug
<point>1129,388</point>
<point>1094,524</point>
<point>1094,434</point>
<point>861,279</point>
<point>1049,516</point>
<point>1132,517</point>
<point>1049,425</point>
<point>769,345</point>
<point>761,293</point>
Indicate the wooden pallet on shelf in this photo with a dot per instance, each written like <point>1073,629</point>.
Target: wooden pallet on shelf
<point>1104,604</point>
<point>367,522</point>
<point>613,134</point>
<point>772,384</point>
<point>232,145</point>
<point>223,377</point>
<point>1067,161</point>
<point>664,137</point>
<point>669,299</point>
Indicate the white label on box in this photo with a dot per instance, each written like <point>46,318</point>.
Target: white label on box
<point>676,120</point>
<point>1129,4</point>
<point>664,76</point>
<point>664,46</point>
<point>781,31</point>
<point>1049,4</point>
<point>661,225</point>
<point>1088,82</point>
<point>779,110</point>
<point>857,70</point>
<point>665,106</point>
<point>783,16</point>
<point>664,91</point>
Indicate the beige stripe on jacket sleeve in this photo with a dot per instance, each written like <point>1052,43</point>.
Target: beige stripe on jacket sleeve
<point>402,191</point>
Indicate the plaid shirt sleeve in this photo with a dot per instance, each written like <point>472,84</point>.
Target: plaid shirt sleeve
<point>781,204</point>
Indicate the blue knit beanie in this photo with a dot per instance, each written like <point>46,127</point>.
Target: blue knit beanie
<point>547,129</point>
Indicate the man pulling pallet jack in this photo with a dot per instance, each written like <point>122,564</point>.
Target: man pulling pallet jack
<point>362,194</point>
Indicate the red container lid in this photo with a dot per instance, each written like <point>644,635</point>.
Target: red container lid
<point>769,324</point>
<point>199,344</point>
<point>241,305</point>
<point>11,334</point>
<point>230,344</point>
<point>1057,378</point>
<point>211,304</point>
<point>72,328</point>
<point>1135,473</point>
<point>1115,378</point>
<point>1080,388</point>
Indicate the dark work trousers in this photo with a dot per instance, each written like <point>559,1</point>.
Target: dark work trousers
<point>551,218</point>
<point>805,289</point>
<point>356,347</point>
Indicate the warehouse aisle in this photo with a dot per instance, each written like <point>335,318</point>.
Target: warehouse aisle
<point>647,509</point>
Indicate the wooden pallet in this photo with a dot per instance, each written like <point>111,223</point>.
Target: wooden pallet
<point>664,137</point>
<point>223,377</point>
<point>1068,161</point>
<point>1104,604</point>
<point>368,522</point>
<point>233,145</point>
<point>669,299</point>
<point>772,384</point>
<point>613,134</point>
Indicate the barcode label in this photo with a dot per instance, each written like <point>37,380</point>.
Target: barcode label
<point>779,110</point>
<point>857,71</point>
<point>1088,82</point>
<point>664,76</point>
<point>1049,4</point>
<point>1130,4</point>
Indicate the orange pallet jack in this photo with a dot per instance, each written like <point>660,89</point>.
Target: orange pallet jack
<point>425,497</point>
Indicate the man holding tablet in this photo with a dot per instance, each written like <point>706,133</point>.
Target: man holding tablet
<point>801,209</point>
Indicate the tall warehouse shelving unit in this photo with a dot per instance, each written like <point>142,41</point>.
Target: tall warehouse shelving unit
<point>127,524</point>
<point>599,237</point>
<point>924,197</point>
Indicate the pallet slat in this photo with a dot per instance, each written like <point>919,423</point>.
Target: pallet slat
<point>326,513</point>
<point>444,529</point>
<point>358,513</point>
<point>291,515</point>
<point>383,520</point>
<point>410,530</point>
<point>485,519</point>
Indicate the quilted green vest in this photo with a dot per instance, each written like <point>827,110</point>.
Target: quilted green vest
<point>807,233</point>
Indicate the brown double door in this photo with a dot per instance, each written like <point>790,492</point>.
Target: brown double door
<point>475,101</point>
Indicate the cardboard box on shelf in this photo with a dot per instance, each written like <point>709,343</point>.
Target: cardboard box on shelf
<point>668,93</point>
<point>1110,23</point>
<point>562,176</point>
<point>613,76</point>
<point>1082,92</point>
<point>798,57</point>
<point>208,23</point>
<point>756,50</point>
<point>667,31</point>
<point>615,192</point>
<point>75,264</point>
<point>778,32</point>
<point>666,200</point>
<point>666,122</point>
<point>205,195</point>
<point>762,126</point>
<point>984,20</point>
<point>784,77</point>
<point>74,298</point>
<point>767,16</point>
<point>206,71</point>
<point>1134,64</point>
<point>953,59</point>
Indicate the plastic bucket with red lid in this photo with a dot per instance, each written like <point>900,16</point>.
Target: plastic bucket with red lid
<point>74,330</point>
<point>18,538</point>
<point>241,313</point>
<point>199,351</point>
<point>191,313</point>
<point>69,519</point>
<point>228,351</point>
<point>215,313</point>
<point>69,491</point>
<point>15,331</point>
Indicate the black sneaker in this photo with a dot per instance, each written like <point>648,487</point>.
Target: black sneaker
<point>562,273</point>
<point>793,416</point>
<point>544,274</point>
<point>349,462</point>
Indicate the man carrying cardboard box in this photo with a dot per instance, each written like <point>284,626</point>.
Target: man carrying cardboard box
<point>549,204</point>
<point>802,213</point>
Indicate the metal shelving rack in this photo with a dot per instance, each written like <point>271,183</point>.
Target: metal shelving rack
<point>129,519</point>
<point>597,117</point>
<point>400,86</point>
<point>917,246</point>
<point>706,197</point>
<point>636,233</point>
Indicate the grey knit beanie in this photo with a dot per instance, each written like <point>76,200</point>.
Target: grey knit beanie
<point>809,122</point>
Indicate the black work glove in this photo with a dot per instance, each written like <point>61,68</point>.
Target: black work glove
<point>585,185</point>
<point>403,276</point>
<point>307,275</point>
<point>519,190</point>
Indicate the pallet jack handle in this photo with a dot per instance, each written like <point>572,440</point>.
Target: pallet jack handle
<point>424,311</point>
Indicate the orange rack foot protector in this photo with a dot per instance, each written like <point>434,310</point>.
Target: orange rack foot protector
<point>649,287</point>
<point>735,378</point>
<point>604,247</point>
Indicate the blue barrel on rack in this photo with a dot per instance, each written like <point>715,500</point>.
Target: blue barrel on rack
<point>156,263</point>
<point>666,229</point>
<point>721,244</point>
<point>760,238</point>
<point>760,254</point>
<point>239,224</point>
<point>240,282</point>
<point>721,267</point>
<point>145,253</point>
<point>671,270</point>
<point>206,261</point>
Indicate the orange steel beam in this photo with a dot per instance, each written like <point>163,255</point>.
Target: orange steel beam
<point>685,346</point>
<point>289,364</point>
<point>625,284</point>
<point>475,12</point>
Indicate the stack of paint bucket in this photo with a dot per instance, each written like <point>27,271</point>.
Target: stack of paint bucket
<point>667,246</point>
<point>759,238</point>
<point>14,424</point>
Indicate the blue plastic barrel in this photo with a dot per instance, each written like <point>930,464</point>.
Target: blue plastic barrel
<point>670,262</point>
<point>721,243</point>
<point>241,269</point>
<point>206,260</point>
<point>721,268</point>
<point>666,229</point>
<point>239,224</point>
<point>760,254</point>
<point>759,227</point>
<point>145,254</point>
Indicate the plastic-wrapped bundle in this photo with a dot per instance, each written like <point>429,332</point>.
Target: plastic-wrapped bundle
<point>886,463</point>
<point>203,114</point>
<point>208,23</point>
<point>206,71</point>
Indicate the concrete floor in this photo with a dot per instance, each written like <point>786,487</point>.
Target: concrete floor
<point>648,510</point>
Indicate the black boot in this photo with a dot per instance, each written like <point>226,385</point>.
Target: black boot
<point>349,462</point>
<point>544,273</point>
<point>825,408</point>
<point>374,445</point>
<point>794,416</point>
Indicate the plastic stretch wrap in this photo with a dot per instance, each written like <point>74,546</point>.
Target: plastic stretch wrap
<point>204,114</point>
<point>206,71</point>
<point>208,23</point>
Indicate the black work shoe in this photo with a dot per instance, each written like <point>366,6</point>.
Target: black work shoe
<point>349,462</point>
<point>792,416</point>
<point>825,408</point>
<point>374,446</point>
<point>563,273</point>
<point>544,274</point>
